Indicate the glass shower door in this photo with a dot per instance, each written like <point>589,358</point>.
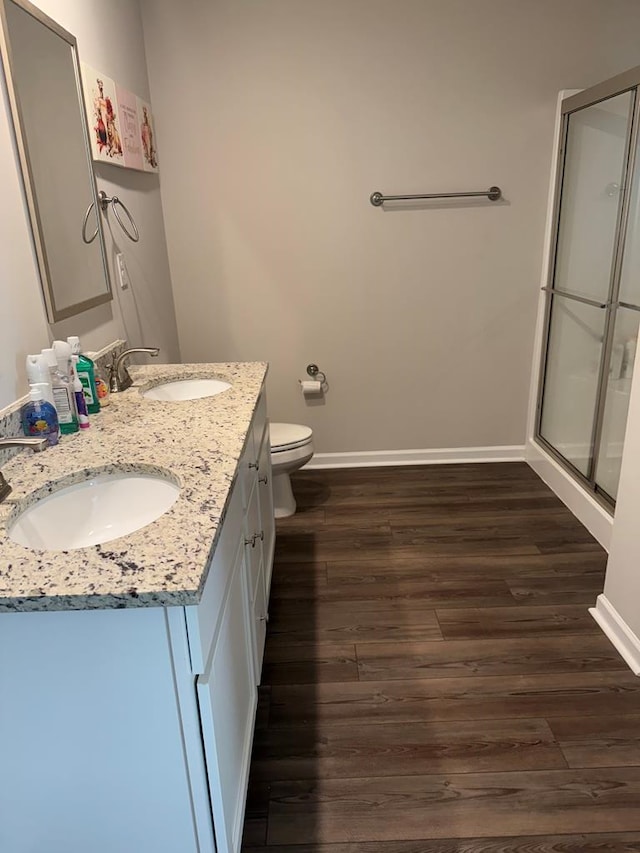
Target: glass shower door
<point>582,289</point>
<point>625,322</point>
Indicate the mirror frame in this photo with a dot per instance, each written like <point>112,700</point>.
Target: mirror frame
<point>54,314</point>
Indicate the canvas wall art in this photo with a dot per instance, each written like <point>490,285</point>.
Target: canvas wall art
<point>121,127</point>
<point>130,124</point>
<point>103,116</point>
<point>147,137</point>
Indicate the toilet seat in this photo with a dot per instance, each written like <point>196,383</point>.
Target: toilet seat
<point>285,437</point>
<point>291,448</point>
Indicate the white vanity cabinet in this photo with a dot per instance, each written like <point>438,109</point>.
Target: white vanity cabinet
<point>131,729</point>
<point>260,536</point>
<point>227,632</point>
<point>265,501</point>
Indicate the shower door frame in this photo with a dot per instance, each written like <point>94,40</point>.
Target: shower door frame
<point>629,81</point>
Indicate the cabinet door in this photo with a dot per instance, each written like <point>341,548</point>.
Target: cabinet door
<point>255,580</point>
<point>227,698</point>
<point>203,619</point>
<point>267,519</point>
<point>260,617</point>
<point>253,544</point>
<point>94,756</point>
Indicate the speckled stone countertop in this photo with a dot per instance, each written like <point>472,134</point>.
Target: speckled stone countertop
<point>197,443</point>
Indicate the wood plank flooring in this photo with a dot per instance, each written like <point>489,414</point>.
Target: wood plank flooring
<point>433,681</point>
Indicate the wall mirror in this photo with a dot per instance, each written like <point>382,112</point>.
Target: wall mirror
<point>42,74</point>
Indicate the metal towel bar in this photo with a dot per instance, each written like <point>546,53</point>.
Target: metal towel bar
<point>104,202</point>
<point>377,199</point>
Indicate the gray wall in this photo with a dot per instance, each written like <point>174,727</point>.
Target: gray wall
<point>109,38</point>
<point>277,120</point>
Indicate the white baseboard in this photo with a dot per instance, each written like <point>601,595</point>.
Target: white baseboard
<point>587,510</point>
<point>623,638</point>
<point>438,456</point>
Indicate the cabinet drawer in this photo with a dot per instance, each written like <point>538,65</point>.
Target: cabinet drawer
<point>250,462</point>
<point>203,618</point>
<point>265,502</point>
<point>247,469</point>
<point>258,423</point>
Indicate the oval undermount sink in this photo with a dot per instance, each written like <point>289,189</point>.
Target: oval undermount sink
<point>106,507</point>
<point>186,389</point>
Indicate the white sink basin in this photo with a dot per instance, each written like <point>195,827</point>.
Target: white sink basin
<point>186,389</point>
<point>105,507</point>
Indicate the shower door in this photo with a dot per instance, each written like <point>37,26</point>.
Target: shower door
<point>593,294</point>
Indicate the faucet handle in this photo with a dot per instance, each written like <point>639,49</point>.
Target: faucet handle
<point>119,379</point>
<point>113,377</point>
<point>35,444</point>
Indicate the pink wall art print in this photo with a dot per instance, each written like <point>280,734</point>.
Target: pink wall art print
<point>130,127</point>
<point>121,130</point>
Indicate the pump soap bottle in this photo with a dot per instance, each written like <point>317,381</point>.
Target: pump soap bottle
<point>39,418</point>
<point>38,373</point>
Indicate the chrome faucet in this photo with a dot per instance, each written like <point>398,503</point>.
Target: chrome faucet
<point>119,379</point>
<point>36,444</point>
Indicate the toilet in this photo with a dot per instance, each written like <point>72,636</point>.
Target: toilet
<point>291,448</point>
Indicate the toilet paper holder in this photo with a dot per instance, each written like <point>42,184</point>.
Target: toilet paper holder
<point>316,386</point>
<point>315,373</point>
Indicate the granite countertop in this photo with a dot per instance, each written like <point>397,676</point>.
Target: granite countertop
<point>197,443</point>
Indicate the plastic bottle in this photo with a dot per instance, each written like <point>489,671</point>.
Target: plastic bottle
<point>50,358</point>
<point>78,392</point>
<point>38,373</point>
<point>102,386</point>
<point>52,363</point>
<point>103,390</point>
<point>85,368</point>
<point>39,418</point>
<point>63,389</point>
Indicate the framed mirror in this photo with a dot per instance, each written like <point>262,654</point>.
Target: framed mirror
<point>42,74</point>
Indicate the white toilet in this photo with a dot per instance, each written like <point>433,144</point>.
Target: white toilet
<point>291,448</point>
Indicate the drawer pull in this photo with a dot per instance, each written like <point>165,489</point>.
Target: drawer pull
<point>255,465</point>
<point>264,479</point>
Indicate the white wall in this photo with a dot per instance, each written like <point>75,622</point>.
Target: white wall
<point>109,38</point>
<point>622,585</point>
<point>617,610</point>
<point>277,120</point>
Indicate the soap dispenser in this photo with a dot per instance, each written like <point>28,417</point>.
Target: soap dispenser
<point>38,373</point>
<point>39,418</point>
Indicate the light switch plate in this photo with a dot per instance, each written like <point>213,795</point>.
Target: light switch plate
<point>123,272</point>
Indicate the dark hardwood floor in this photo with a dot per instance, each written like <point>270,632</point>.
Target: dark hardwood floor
<point>433,681</point>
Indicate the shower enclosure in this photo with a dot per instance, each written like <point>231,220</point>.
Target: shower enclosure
<point>593,290</point>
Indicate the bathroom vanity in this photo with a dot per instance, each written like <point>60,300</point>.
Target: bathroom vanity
<point>129,670</point>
